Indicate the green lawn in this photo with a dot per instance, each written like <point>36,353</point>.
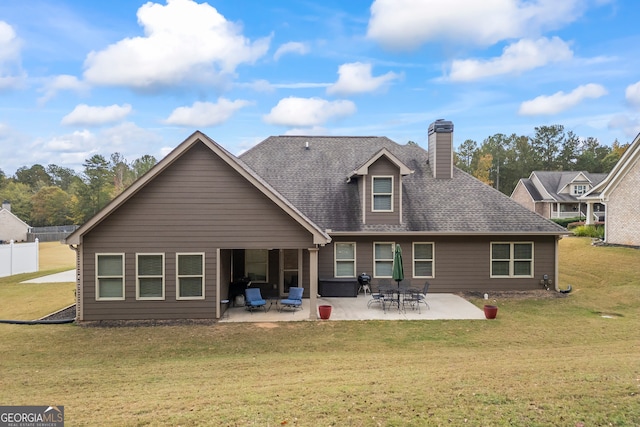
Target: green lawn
<point>541,362</point>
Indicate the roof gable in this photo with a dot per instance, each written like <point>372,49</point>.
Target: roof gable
<point>319,236</point>
<point>630,157</point>
<point>364,169</point>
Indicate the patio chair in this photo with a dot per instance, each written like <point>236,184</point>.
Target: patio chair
<point>294,300</point>
<point>253,300</point>
<point>421,298</point>
<point>376,298</point>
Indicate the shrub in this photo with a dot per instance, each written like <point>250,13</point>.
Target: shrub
<point>566,221</point>
<point>596,231</point>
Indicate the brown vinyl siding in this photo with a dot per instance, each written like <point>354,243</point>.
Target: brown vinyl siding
<point>460,263</point>
<point>198,204</point>
<point>383,168</point>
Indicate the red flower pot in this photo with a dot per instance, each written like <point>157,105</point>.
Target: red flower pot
<point>325,311</point>
<point>490,311</point>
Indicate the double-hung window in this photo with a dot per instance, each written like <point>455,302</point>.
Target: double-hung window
<point>382,193</point>
<point>383,259</point>
<point>345,259</point>
<point>422,260</point>
<point>109,277</point>
<point>512,259</point>
<point>190,279</point>
<point>150,276</point>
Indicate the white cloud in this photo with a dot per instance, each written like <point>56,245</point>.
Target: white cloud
<point>184,42</point>
<point>291,47</point>
<point>632,94</point>
<point>356,78</point>
<point>77,141</point>
<point>561,101</point>
<point>629,125</point>
<point>71,150</point>
<point>521,56</point>
<point>206,113</point>
<point>308,112</point>
<point>59,83</point>
<point>407,24</point>
<point>85,115</point>
<point>11,74</point>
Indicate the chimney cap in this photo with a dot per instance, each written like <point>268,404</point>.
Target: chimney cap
<point>441,126</point>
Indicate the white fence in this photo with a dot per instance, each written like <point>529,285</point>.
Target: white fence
<point>16,258</point>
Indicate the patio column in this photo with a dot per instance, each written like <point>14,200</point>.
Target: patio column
<point>313,283</point>
<point>589,219</point>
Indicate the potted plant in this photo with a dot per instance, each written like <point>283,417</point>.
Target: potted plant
<point>490,311</point>
<point>325,311</point>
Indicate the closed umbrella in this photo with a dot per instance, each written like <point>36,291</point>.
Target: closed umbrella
<point>398,270</point>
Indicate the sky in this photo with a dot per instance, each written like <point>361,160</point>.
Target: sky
<point>79,78</point>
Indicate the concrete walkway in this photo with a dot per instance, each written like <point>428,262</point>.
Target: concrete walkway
<point>442,306</point>
<point>65,276</point>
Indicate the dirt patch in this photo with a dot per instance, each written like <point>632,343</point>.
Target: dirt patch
<point>266,325</point>
<point>531,294</point>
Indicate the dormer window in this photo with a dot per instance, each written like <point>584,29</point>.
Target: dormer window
<point>383,194</point>
<point>579,189</point>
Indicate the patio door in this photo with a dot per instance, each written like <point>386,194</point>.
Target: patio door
<point>290,262</point>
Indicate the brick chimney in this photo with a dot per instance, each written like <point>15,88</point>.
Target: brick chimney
<point>441,149</point>
<point>6,205</point>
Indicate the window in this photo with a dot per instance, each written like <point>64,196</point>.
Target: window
<point>382,193</point>
<point>190,281</point>
<point>383,259</point>
<point>511,259</point>
<point>423,260</point>
<point>150,276</point>
<point>579,189</point>
<point>256,265</point>
<point>345,260</point>
<point>109,276</point>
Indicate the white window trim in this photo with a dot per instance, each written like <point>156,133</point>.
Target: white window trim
<point>335,258</point>
<point>98,298</point>
<point>375,270</point>
<point>138,297</point>
<point>178,297</point>
<point>511,260</point>
<point>433,260</point>
<point>374,194</point>
<point>583,187</point>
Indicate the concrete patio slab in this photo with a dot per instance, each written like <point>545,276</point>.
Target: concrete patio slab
<point>441,306</point>
<point>65,276</point>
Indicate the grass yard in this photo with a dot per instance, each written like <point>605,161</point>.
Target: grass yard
<point>553,361</point>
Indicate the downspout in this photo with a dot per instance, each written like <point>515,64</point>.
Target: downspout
<point>78,284</point>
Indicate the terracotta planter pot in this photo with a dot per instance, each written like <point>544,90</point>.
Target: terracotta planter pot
<point>325,311</point>
<point>490,311</point>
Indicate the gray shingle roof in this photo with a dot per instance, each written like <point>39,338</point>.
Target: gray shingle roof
<point>315,181</point>
<point>555,181</point>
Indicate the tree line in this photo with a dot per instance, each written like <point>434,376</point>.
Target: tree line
<point>55,195</point>
<point>501,160</point>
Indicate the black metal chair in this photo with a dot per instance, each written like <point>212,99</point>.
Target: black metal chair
<point>421,298</point>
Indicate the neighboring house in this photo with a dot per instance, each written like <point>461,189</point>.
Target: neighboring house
<point>620,193</point>
<point>557,194</point>
<point>11,227</point>
<point>308,211</point>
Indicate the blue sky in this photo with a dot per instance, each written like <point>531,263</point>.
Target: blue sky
<point>79,78</point>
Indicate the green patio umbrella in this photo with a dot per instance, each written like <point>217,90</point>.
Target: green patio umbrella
<point>398,269</point>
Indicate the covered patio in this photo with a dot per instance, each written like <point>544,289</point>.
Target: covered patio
<point>441,306</point>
